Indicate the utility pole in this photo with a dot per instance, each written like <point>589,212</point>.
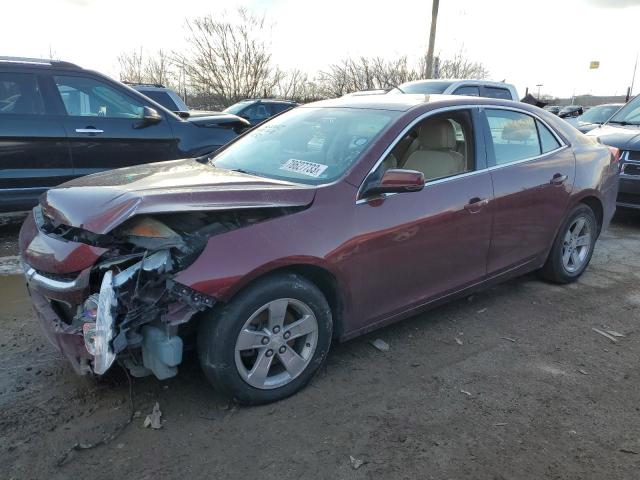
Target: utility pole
<point>432,37</point>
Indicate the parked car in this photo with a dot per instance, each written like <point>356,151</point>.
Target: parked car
<point>570,111</point>
<point>596,116</point>
<point>622,131</point>
<point>258,110</point>
<point>321,224</point>
<point>555,109</point>
<point>474,88</point>
<point>60,121</point>
<point>162,95</point>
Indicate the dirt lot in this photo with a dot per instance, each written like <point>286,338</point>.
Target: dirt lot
<point>532,392</point>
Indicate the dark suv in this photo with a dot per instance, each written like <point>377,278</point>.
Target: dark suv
<point>258,110</point>
<point>59,121</point>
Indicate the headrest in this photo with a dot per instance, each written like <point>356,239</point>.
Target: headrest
<point>437,135</point>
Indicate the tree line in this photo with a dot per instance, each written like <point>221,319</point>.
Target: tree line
<point>228,58</point>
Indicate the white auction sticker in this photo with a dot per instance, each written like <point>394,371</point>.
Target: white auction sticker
<point>304,167</point>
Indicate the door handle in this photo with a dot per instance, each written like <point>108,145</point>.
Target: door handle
<point>558,179</point>
<point>476,204</point>
<point>89,130</point>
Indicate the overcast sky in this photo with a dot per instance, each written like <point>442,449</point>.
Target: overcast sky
<point>525,42</point>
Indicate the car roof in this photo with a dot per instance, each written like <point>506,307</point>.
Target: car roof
<point>451,81</point>
<point>405,102</point>
<point>37,62</point>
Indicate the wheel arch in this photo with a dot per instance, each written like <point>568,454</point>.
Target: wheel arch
<point>321,277</point>
<point>595,204</point>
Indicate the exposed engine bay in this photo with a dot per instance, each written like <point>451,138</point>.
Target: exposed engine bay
<point>135,311</point>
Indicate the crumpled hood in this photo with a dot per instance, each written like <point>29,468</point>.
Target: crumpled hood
<point>102,201</point>
<point>622,137</point>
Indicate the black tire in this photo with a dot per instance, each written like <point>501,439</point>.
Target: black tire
<point>554,269</point>
<point>219,330</point>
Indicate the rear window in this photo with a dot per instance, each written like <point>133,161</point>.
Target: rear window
<point>497,92</point>
<point>20,95</point>
<point>469,90</point>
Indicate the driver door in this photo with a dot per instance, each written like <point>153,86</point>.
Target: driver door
<point>419,246</point>
<point>101,120</point>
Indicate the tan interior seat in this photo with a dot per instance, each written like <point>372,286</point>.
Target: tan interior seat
<point>436,156</point>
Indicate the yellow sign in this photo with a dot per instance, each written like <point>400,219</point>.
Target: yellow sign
<point>593,65</point>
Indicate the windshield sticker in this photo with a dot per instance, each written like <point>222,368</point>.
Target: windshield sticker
<point>305,168</point>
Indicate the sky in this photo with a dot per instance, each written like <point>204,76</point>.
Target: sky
<point>524,42</point>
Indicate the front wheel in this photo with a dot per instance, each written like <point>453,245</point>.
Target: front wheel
<point>573,247</point>
<point>267,342</point>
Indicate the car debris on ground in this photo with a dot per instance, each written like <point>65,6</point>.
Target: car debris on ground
<point>153,420</point>
<point>380,345</point>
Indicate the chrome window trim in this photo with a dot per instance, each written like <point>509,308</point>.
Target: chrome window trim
<point>459,107</point>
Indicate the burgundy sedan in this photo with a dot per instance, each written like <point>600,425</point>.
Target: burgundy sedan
<point>324,223</point>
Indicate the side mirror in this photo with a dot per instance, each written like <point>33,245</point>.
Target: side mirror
<point>149,117</point>
<point>396,180</point>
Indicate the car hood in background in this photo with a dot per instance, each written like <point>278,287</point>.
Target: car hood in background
<point>104,200</point>
<point>622,137</point>
<point>214,119</point>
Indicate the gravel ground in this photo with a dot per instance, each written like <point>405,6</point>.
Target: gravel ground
<point>511,383</point>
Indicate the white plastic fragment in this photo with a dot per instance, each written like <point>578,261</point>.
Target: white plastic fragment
<point>153,419</point>
<point>458,341</point>
<point>468,394</point>
<point>613,333</point>
<point>356,463</point>
<point>380,345</point>
<point>605,334</point>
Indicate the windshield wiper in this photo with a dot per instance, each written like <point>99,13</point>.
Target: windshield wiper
<point>623,122</point>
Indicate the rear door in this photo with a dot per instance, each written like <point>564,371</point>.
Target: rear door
<point>533,173</point>
<point>34,154</point>
<point>103,124</point>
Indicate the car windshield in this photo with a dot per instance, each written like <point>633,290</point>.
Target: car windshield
<point>629,114</point>
<point>306,145</point>
<point>236,107</point>
<point>425,88</point>
<point>598,114</point>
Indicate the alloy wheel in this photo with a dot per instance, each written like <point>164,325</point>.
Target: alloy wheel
<point>576,245</point>
<point>276,343</point>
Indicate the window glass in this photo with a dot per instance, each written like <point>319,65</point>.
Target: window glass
<point>497,92</point>
<point>20,95</point>
<point>86,97</point>
<point>256,112</point>
<point>439,146</point>
<point>468,90</point>
<point>547,140</point>
<point>280,107</point>
<point>306,145</point>
<point>162,98</point>
<point>237,107</point>
<point>514,135</point>
<point>629,114</point>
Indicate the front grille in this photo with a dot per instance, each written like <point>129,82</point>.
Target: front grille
<point>633,155</point>
<point>631,169</point>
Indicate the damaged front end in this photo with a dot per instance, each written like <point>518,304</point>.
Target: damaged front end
<point>132,308</point>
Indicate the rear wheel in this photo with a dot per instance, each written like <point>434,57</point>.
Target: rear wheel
<point>267,342</point>
<point>573,247</point>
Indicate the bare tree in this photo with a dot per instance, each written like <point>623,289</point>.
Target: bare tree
<point>229,59</point>
<point>137,67</point>
<point>158,69</point>
<point>458,66</point>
